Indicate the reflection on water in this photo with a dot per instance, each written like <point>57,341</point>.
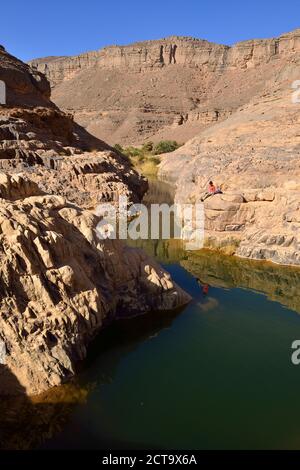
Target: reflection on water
<point>165,251</point>
<point>279,283</point>
<point>217,374</point>
<point>159,193</point>
<point>26,423</point>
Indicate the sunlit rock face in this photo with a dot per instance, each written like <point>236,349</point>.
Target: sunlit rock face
<point>171,88</point>
<point>60,284</point>
<point>254,157</point>
<point>37,137</point>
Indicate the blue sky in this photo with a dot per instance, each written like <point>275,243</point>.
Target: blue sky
<point>33,28</point>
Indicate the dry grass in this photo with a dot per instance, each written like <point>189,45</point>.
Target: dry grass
<point>148,165</point>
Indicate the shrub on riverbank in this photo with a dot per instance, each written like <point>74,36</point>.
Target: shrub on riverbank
<point>144,158</point>
<point>165,146</point>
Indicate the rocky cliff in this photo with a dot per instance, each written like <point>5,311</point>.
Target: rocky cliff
<point>254,156</point>
<point>170,51</point>
<point>37,137</point>
<point>169,88</point>
<point>59,283</point>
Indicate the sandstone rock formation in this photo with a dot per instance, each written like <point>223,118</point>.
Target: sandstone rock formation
<point>24,86</point>
<point>60,284</point>
<point>35,136</point>
<point>170,88</point>
<point>254,156</point>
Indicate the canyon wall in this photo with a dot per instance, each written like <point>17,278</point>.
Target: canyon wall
<point>37,137</point>
<point>171,88</point>
<point>59,282</point>
<point>254,157</point>
<point>173,50</point>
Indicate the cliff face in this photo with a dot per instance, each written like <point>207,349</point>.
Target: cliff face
<point>170,51</point>
<point>136,57</point>
<point>59,284</point>
<point>24,86</point>
<point>169,88</point>
<point>38,137</point>
<point>254,156</point>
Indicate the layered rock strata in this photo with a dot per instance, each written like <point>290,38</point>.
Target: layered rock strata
<point>170,88</point>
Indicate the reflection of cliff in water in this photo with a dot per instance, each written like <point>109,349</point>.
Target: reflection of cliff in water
<point>124,336</point>
<point>165,251</point>
<point>29,422</point>
<point>279,283</point>
<point>159,192</point>
<point>105,354</point>
<point>26,422</point>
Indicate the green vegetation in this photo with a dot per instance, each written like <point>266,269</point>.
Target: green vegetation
<point>165,146</point>
<point>118,147</point>
<point>144,158</point>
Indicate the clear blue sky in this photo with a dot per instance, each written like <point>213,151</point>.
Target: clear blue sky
<point>36,28</point>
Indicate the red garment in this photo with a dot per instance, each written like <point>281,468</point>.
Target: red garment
<point>212,189</point>
<point>205,289</point>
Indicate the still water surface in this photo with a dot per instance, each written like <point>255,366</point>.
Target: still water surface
<point>217,374</point>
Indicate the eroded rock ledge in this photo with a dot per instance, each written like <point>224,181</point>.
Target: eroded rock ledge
<point>38,138</point>
<point>254,157</point>
<point>171,88</point>
<point>60,284</point>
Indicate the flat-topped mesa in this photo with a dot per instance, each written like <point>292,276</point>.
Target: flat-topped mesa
<point>169,51</point>
<point>256,51</point>
<point>136,57</point>
<point>167,89</point>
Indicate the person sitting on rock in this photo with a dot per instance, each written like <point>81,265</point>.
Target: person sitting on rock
<point>212,189</point>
